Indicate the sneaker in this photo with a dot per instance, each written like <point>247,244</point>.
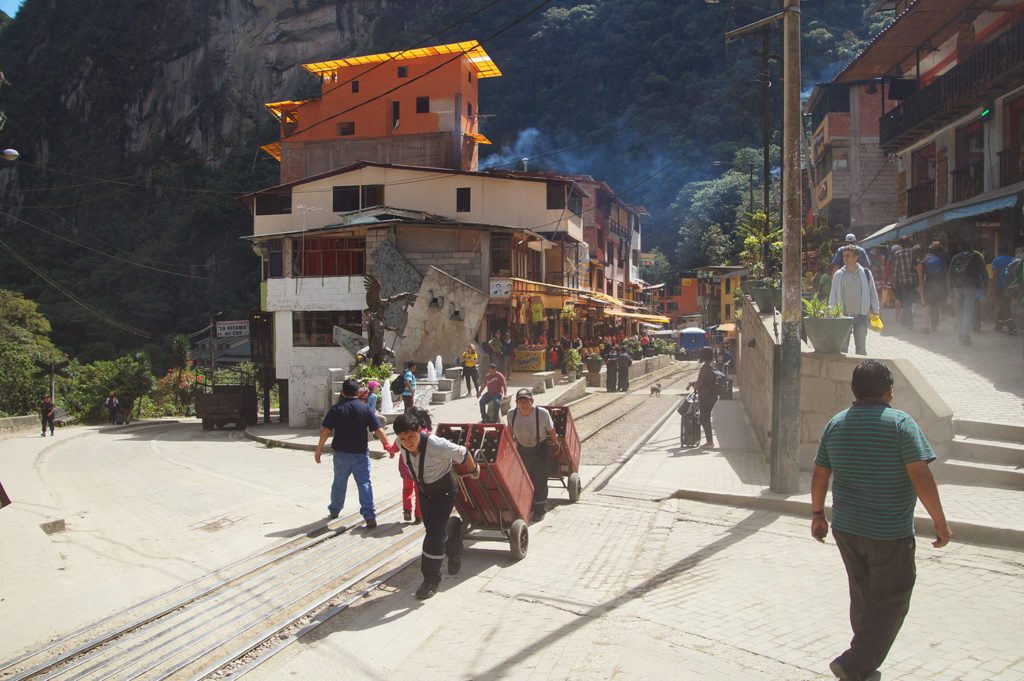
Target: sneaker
<point>845,674</point>
<point>427,589</point>
<point>407,515</point>
<point>537,517</point>
<point>371,523</point>
<point>417,521</point>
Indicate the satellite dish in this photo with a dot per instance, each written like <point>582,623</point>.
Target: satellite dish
<point>11,154</point>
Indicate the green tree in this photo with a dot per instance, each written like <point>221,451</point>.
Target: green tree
<point>24,337</point>
<point>128,375</point>
<point>657,272</point>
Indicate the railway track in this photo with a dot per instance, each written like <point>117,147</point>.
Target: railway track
<point>226,623</point>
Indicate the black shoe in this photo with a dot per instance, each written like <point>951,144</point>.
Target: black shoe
<point>843,673</point>
<point>427,589</point>
<point>371,523</point>
<point>406,516</point>
<point>453,549</point>
<point>332,516</point>
<point>537,517</point>
<point>417,521</point>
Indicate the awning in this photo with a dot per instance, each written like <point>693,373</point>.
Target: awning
<point>653,318</point>
<point>964,209</point>
<point>472,50</point>
<point>478,138</point>
<point>727,328</point>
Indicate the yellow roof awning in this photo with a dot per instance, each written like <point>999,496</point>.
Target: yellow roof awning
<point>727,328</point>
<point>478,138</point>
<point>474,52</point>
<point>653,318</point>
<point>274,149</point>
<point>284,110</point>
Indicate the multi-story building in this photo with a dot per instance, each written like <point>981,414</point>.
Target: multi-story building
<point>716,287</point>
<point>957,73</point>
<point>854,180</point>
<point>676,298</point>
<point>417,107</point>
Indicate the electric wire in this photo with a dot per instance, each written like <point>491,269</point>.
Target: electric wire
<point>94,310</point>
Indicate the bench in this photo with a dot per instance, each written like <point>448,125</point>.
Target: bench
<point>61,417</point>
<point>545,380</point>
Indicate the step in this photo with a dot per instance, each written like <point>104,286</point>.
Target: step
<point>968,472</point>
<point>441,397</point>
<point>987,430</point>
<point>982,450</point>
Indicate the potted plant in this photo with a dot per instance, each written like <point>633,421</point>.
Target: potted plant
<point>573,363</point>
<point>825,325</point>
<point>593,362</point>
<point>775,289</point>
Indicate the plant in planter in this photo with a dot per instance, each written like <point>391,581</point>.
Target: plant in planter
<point>593,362</point>
<point>825,325</point>
<point>573,363</point>
<point>633,347</point>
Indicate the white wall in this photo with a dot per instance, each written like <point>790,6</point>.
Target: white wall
<point>316,293</point>
<point>307,373</point>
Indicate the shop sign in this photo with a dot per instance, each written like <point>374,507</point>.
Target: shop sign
<point>529,360</point>
<point>647,259</point>
<point>501,287</point>
<point>234,328</point>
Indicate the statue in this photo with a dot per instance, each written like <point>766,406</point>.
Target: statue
<point>376,308</point>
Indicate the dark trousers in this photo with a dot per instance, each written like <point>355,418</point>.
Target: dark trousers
<point>706,405</point>
<point>112,414</point>
<point>906,294</point>
<point>47,420</point>
<point>612,376</point>
<point>623,379</point>
<point>536,460</point>
<point>436,508</point>
<point>1003,315</point>
<point>471,374</point>
<point>881,573</point>
<point>407,402</point>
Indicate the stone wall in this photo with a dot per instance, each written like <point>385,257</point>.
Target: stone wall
<point>16,424</point>
<point>315,293</point>
<point>825,389</point>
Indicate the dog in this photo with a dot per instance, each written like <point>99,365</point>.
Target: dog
<point>656,390</point>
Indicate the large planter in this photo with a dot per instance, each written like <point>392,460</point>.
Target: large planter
<point>827,335</point>
<point>762,297</point>
<point>594,364</point>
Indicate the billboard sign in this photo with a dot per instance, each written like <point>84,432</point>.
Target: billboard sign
<point>231,329</point>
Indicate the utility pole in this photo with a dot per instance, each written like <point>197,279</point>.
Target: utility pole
<point>785,470</point>
<point>765,82</point>
<point>785,464</point>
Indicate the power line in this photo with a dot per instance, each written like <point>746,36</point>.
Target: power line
<point>96,250</point>
<point>99,313</point>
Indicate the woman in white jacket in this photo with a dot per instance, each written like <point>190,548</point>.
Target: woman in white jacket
<point>853,290</point>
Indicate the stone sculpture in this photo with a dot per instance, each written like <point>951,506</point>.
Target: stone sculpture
<point>376,307</point>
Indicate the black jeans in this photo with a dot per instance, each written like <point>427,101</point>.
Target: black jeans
<point>536,459</point>
<point>706,405</point>
<point>907,295</point>
<point>47,420</point>
<point>881,573</point>
<point>436,510</point>
<point>471,374</point>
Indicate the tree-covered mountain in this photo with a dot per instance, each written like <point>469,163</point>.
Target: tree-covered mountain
<point>137,128</point>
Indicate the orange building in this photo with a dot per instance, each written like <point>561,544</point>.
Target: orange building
<point>419,107</point>
<point>676,298</point>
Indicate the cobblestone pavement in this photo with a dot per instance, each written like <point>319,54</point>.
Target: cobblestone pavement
<point>614,588</point>
<point>984,381</point>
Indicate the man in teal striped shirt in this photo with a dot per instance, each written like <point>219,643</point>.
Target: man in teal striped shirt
<point>880,461</point>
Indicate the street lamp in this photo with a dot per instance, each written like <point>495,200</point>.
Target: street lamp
<point>11,154</point>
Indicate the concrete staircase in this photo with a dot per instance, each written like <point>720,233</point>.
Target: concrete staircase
<point>985,454</point>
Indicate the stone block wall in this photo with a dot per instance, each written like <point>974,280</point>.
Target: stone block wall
<point>754,372</point>
<point>315,293</point>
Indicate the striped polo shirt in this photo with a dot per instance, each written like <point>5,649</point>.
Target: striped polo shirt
<point>868,447</point>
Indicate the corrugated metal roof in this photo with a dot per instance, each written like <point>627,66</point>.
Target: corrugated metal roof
<point>474,52</point>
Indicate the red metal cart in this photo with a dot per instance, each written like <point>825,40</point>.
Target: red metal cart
<point>565,463</point>
<point>499,500</point>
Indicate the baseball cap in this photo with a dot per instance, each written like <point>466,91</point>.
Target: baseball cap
<point>524,392</point>
<point>851,237</point>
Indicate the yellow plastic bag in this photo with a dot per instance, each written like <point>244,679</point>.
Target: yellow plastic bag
<point>876,323</point>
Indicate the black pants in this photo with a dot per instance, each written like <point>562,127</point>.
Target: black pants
<point>407,402</point>
<point>1003,315</point>
<point>471,374</point>
<point>112,414</point>
<point>612,376</point>
<point>906,294</point>
<point>536,459</point>
<point>437,508</point>
<point>623,379</point>
<point>47,420</point>
<point>881,573</point>
<point>706,405</point>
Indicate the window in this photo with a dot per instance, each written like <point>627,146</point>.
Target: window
<point>346,199</point>
<point>329,257</point>
<point>346,128</point>
<point>273,259</point>
<point>403,71</point>
<point>970,145</point>
<point>575,203</point>
<point>278,203</point>
<point>556,196</point>
<point>316,329</point>
<point>728,311</point>
<point>373,195</point>
<point>396,114</point>
<point>462,199</point>
<point>469,109</point>
<point>501,254</point>
<point>728,285</point>
<point>922,165</point>
<point>469,76</point>
<point>355,86</point>
<point>422,105</point>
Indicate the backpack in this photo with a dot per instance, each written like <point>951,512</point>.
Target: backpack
<point>933,266</point>
<point>961,269</point>
<point>398,385</point>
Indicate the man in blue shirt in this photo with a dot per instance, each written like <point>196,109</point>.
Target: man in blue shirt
<point>349,420</point>
<point>409,391</point>
<point>1003,315</point>
<point>862,255</point>
<point>879,458</point>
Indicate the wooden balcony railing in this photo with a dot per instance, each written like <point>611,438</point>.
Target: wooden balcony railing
<point>921,198</point>
<point>1011,166</point>
<point>968,181</point>
<point>962,88</point>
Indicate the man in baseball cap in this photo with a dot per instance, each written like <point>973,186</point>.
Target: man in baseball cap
<point>533,429</point>
<point>862,255</point>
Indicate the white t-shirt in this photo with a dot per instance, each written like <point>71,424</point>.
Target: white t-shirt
<point>530,431</point>
<point>437,461</point>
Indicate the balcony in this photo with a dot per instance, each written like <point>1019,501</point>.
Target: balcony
<point>968,181</point>
<point>1011,166</point>
<point>921,198</point>
<point>962,88</point>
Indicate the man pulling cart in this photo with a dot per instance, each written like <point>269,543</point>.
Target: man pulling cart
<point>534,431</point>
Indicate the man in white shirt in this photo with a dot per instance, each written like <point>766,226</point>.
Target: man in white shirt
<point>853,290</point>
<point>533,430</point>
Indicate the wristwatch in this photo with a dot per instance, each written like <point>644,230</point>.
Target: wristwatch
<point>821,513</point>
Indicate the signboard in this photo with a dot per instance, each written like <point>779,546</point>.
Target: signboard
<point>501,287</point>
<point>528,360</point>
<point>647,259</point>
<point>230,329</point>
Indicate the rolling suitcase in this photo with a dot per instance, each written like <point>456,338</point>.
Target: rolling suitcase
<point>689,424</point>
<point>725,388</point>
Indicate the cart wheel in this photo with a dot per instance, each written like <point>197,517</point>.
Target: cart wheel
<point>207,425</point>
<point>519,539</point>
<point>575,487</point>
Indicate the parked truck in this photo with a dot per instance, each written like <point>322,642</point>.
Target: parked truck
<point>227,404</point>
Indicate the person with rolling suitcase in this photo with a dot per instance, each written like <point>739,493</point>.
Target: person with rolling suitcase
<point>707,385</point>
<point>689,423</point>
